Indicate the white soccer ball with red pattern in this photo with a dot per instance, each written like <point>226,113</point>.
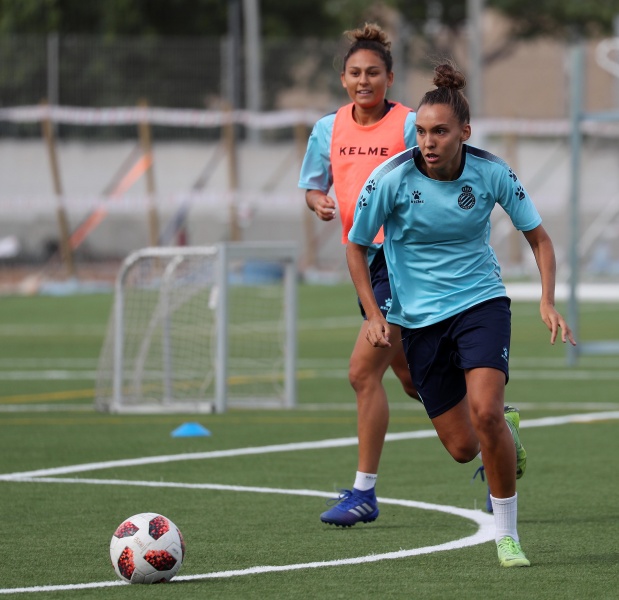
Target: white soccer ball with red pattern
<point>147,548</point>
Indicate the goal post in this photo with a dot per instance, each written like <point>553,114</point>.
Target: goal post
<point>202,329</point>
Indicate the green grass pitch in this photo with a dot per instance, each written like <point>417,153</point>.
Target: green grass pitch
<point>57,533</point>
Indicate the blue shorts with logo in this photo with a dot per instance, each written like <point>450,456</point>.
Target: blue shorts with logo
<point>438,355</point>
<point>379,278</point>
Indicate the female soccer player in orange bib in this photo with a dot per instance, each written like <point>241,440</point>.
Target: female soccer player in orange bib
<point>342,151</point>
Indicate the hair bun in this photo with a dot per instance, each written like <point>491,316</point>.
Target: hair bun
<point>447,76</point>
<point>371,32</point>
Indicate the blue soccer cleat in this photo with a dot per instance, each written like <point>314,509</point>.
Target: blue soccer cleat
<point>353,506</point>
<point>481,471</point>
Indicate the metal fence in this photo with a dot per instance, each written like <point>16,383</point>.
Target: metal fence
<point>199,73</point>
<point>211,73</point>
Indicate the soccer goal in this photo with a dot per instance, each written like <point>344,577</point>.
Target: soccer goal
<point>201,329</point>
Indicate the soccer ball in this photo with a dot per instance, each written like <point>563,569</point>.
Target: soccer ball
<point>147,548</point>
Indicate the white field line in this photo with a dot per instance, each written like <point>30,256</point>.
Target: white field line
<point>485,522</point>
<point>547,375</point>
<point>418,407</point>
<point>71,364</point>
<point>317,445</point>
<point>332,406</point>
<point>49,375</point>
<point>149,460</point>
<point>48,363</point>
<point>484,533</point>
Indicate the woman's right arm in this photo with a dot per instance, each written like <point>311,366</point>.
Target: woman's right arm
<point>316,173</point>
<point>378,328</point>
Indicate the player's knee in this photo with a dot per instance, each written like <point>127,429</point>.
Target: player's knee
<point>463,450</point>
<point>487,422</point>
<point>465,455</point>
<point>359,377</point>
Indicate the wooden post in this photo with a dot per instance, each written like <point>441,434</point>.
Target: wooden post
<point>300,136</point>
<point>61,214</point>
<point>147,150</point>
<point>229,133</point>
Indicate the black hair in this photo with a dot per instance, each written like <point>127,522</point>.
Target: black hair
<point>370,37</point>
<point>449,82</point>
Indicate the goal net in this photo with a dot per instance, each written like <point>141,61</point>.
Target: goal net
<point>200,329</point>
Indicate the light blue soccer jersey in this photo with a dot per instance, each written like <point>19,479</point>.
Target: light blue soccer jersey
<point>316,173</point>
<point>437,233</point>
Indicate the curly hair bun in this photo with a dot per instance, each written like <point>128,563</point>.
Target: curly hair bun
<point>371,32</point>
<point>447,76</point>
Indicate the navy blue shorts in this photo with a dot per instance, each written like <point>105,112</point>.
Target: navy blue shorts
<point>437,355</point>
<point>379,278</point>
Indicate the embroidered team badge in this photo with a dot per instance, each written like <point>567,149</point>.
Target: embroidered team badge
<point>466,200</point>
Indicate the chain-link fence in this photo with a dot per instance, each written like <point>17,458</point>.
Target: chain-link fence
<point>198,73</point>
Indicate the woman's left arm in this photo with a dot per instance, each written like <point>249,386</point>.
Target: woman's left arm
<point>544,253</point>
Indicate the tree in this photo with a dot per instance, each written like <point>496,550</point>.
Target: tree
<point>290,19</point>
<point>114,17</point>
<point>559,18</point>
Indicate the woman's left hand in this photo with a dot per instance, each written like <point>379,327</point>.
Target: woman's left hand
<point>554,321</point>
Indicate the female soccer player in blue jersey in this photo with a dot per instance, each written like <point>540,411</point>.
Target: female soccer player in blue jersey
<point>434,202</point>
<point>343,149</point>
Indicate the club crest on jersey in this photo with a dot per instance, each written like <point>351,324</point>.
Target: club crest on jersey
<point>466,200</point>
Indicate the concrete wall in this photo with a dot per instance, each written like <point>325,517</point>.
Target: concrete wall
<point>270,207</point>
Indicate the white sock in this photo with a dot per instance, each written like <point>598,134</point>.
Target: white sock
<point>505,517</point>
<point>365,481</point>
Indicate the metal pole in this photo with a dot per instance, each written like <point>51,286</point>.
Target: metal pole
<point>234,54</point>
<point>118,369</point>
<point>53,95</point>
<point>253,61</point>
<point>221,354</point>
<point>576,87</point>
<point>474,86</point>
<point>615,79</point>
<point>290,375</point>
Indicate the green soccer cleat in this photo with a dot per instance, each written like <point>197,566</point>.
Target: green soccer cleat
<point>511,554</point>
<point>512,417</point>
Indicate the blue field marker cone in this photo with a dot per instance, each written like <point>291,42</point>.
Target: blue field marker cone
<point>190,430</point>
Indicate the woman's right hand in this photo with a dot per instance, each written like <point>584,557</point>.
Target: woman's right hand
<point>321,204</point>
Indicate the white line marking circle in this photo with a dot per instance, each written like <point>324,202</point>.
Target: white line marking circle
<point>485,532</point>
<point>485,522</point>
